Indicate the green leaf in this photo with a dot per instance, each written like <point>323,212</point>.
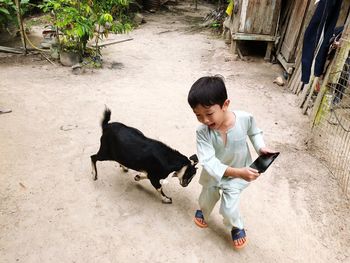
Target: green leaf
<point>4,11</point>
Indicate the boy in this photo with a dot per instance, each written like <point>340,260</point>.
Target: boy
<point>224,154</point>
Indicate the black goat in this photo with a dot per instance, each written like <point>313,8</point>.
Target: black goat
<point>132,149</point>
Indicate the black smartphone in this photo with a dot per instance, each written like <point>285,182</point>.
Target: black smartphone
<point>264,161</point>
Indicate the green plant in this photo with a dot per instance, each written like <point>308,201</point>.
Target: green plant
<point>110,17</point>
<point>73,20</point>
<point>78,21</point>
<point>8,11</point>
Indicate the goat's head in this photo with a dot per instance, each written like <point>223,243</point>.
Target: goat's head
<point>186,173</point>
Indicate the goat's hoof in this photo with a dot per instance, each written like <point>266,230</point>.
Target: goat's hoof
<point>94,176</point>
<point>137,178</point>
<point>167,200</point>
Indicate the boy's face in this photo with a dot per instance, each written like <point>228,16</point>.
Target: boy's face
<point>212,116</point>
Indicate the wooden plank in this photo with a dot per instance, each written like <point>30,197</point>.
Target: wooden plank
<point>283,24</point>
<point>296,79</point>
<point>344,10</point>
<point>304,94</point>
<point>11,50</point>
<point>276,17</point>
<point>294,30</point>
<point>299,87</point>
<point>310,12</point>
<point>309,97</point>
<point>243,16</point>
<point>256,37</point>
<point>112,42</point>
<point>259,16</point>
<point>296,73</point>
<point>284,63</point>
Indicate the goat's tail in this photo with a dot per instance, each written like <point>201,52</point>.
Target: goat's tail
<point>106,118</point>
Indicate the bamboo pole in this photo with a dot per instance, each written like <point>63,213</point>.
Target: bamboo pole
<point>305,92</point>
<point>299,84</point>
<point>21,29</point>
<point>298,87</point>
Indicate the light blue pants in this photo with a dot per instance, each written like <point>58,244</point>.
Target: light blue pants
<point>229,208</point>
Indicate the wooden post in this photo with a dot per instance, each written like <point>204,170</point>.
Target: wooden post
<point>20,23</point>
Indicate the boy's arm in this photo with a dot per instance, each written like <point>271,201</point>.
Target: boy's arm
<point>245,173</point>
<point>255,135</point>
<point>207,158</point>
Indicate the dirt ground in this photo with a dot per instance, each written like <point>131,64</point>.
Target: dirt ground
<point>52,211</point>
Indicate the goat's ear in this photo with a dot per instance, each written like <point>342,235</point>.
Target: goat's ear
<point>194,159</point>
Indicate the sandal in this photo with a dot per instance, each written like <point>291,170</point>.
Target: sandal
<point>238,234</point>
<point>199,219</point>
<point>2,110</point>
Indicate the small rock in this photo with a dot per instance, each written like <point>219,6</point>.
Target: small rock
<point>279,81</point>
<point>139,19</point>
<point>78,65</point>
<point>77,69</point>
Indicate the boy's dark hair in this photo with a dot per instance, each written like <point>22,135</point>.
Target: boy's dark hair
<point>207,91</point>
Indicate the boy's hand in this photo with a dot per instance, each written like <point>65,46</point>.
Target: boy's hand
<point>249,174</point>
<point>266,150</point>
<point>246,173</point>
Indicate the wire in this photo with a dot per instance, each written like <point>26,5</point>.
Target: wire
<point>336,117</point>
<point>30,42</point>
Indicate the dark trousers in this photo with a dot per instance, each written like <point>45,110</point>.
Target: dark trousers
<point>326,15</point>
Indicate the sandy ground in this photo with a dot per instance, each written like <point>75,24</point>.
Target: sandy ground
<point>52,211</point>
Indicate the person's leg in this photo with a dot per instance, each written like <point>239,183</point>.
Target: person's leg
<point>229,209</point>
<point>208,197</point>
<point>311,37</point>
<point>333,11</point>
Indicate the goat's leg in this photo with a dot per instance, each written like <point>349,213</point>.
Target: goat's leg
<point>93,165</point>
<point>165,199</point>
<point>157,185</point>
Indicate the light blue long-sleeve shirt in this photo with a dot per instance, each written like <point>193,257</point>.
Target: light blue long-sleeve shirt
<point>215,156</point>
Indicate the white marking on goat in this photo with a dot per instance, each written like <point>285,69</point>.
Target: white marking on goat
<point>163,181</point>
<point>181,173</point>
<point>165,199</point>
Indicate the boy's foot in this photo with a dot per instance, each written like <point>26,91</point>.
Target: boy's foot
<point>199,219</point>
<point>239,238</point>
